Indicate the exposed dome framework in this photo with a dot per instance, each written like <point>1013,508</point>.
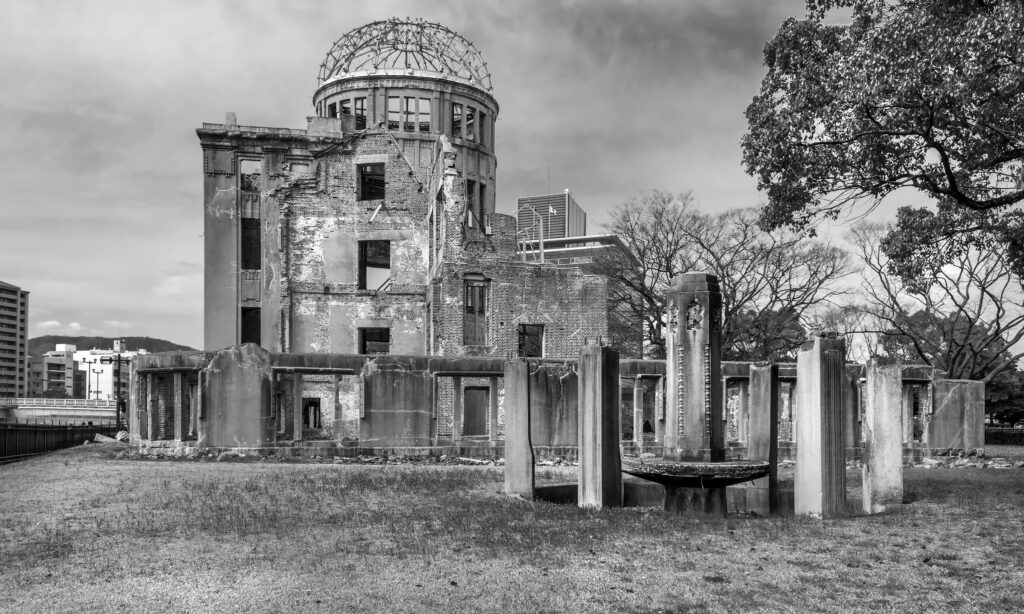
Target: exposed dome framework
<point>405,45</point>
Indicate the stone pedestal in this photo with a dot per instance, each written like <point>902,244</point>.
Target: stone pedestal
<point>883,438</point>
<point>696,501</point>
<point>820,481</point>
<point>763,437</point>
<point>694,428</point>
<point>600,483</point>
<point>519,479</point>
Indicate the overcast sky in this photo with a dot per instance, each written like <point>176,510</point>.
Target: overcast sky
<point>101,169</point>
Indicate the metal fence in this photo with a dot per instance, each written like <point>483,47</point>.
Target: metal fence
<point>43,402</point>
<point>18,441</point>
<point>1004,437</point>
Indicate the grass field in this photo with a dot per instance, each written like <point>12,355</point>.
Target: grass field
<point>81,531</point>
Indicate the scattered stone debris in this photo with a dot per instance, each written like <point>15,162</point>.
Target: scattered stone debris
<point>121,436</point>
<point>101,438</point>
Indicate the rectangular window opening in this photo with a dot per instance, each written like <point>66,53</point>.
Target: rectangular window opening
<point>394,112</point>
<point>470,124</point>
<point>472,219</point>
<point>332,110</point>
<point>457,119</point>
<point>250,325</point>
<point>374,265</point>
<point>249,175</point>
<point>483,127</point>
<point>311,413</point>
<point>409,114</point>
<point>360,108</point>
<point>374,340</point>
<point>346,107</point>
<point>371,181</point>
<point>251,257</point>
<point>474,322</point>
<point>481,204</point>
<point>424,115</point>
<point>531,340</point>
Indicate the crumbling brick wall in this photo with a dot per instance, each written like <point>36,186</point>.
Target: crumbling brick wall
<point>323,222</point>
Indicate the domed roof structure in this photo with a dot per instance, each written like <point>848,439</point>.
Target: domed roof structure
<point>397,46</point>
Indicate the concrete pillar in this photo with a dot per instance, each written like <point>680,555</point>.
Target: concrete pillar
<point>600,483</point>
<point>659,412</point>
<point>492,422</point>
<point>763,437</point>
<point>693,425</point>
<point>851,407</point>
<point>820,482</point>
<point>906,392</point>
<point>743,411</point>
<point>518,449</point>
<point>883,438</point>
<point>457,408</point>
<point>638,415</point>
<point>179,412</point>
<point>150,405</point>
<point>297,406</point>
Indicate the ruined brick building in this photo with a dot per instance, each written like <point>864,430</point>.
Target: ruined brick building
<point>373,231</point>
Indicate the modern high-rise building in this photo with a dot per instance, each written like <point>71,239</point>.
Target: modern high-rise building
<point>13,341</point>
<point>57,373</point>
<point>557,214</point>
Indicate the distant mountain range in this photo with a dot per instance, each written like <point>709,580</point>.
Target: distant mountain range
<point>37,346</point>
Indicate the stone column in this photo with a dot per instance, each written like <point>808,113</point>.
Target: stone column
<point>659,412</point>
<point>763,437</point>
<point>179,413</point>
<point>820,482</point>
<point>638,415</point>
<point>297,406</point>
<point>883,438</point>
<point>150,405</point>
<point>600,483</point>
<point>693,425</point>
<point>493,410</point>
<point>907,412</point>
<point>457,409</point>
<point>518,449</point>
<point>743,411</point>
<point>851,407</point>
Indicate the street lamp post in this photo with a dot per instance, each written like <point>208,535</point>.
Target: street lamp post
<point>97,391</point>
<point>88,378</point>
<point>116,359</point>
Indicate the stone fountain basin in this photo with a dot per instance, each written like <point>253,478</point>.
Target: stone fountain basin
<point>694,474</point>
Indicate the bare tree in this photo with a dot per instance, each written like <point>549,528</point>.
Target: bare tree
<point>967,319</point>
<point>768,280</point>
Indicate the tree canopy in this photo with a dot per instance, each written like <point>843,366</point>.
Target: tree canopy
<point>920,94</point>
<point>767,280</point>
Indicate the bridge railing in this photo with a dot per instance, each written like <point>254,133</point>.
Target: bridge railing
<point>43,402</point>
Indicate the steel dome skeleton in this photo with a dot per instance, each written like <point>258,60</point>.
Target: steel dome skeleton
<point>406,45</point>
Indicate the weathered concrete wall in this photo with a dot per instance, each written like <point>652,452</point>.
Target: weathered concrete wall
<point>237,398</point>
<point>958,416</point>
<point>399,402</point>
<point>883,438</point>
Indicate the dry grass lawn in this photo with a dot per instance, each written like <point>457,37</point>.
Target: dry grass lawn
<point>83,532</point>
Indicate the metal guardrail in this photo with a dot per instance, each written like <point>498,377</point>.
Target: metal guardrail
<point>1004,437</point>
<point>19,441</point>
<point>44,402</point>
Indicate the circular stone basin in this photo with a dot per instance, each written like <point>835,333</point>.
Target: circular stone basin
<point>692,474</point>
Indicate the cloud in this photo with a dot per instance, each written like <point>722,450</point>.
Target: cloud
<point>75,327</point>
<point>116,324</point>
<point>189,285</point>
<point>49,325</point>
